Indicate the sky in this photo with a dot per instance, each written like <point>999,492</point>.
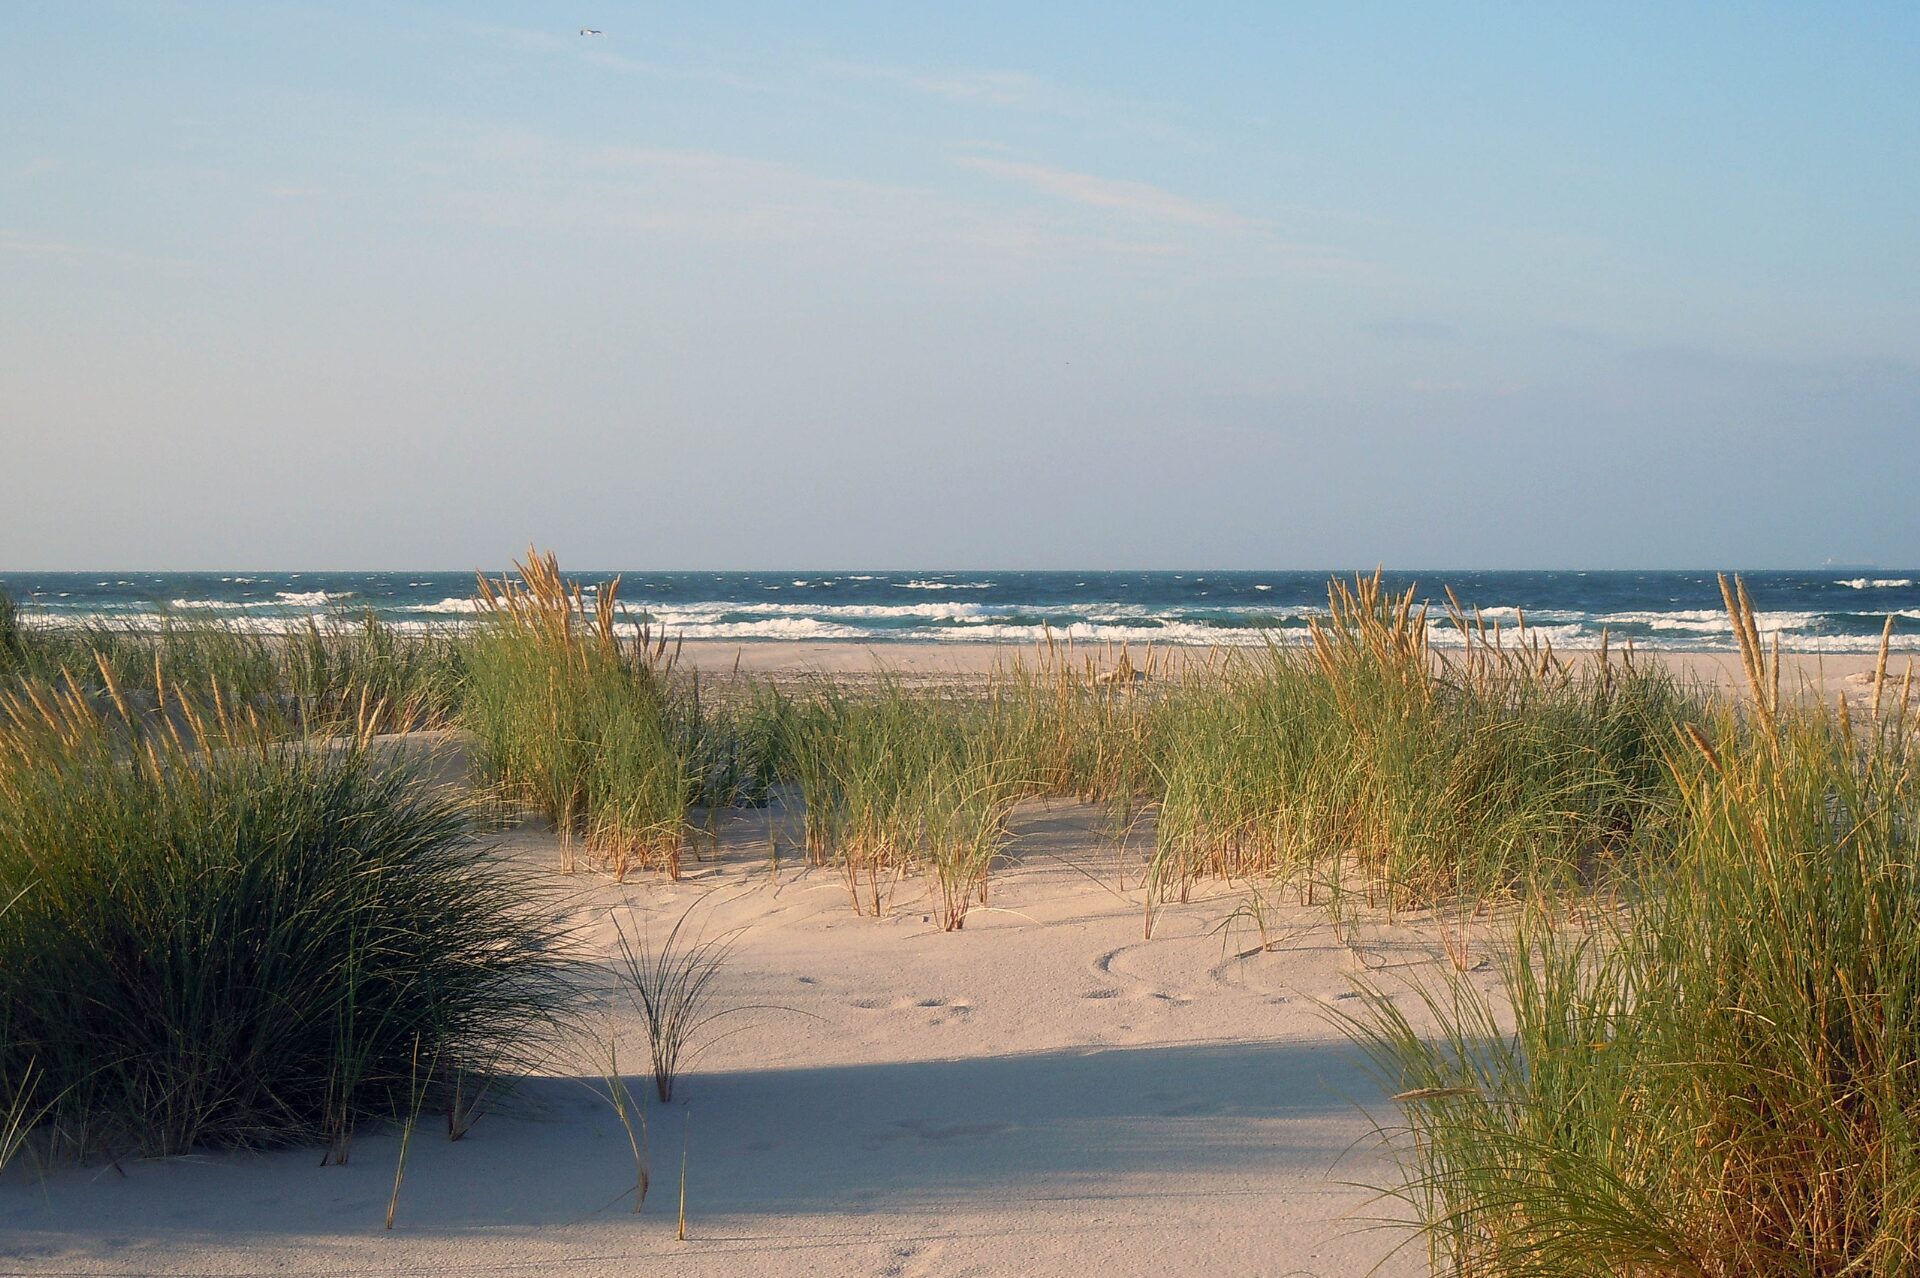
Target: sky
<point>289,285</point>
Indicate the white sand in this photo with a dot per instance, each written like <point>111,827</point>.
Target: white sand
<point>1044,1092</point>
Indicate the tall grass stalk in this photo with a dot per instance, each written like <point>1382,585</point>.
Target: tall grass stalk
<point>418,1084</point>
<point>631,1113</point>
<point>12,651</point>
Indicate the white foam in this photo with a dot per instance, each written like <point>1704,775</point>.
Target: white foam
<point>1571,635</point>
<point>1182,633</point>
<point>779,628</point>
<point>464,604</point>
<point>943,585</point>
<point>1875,583</point>
<point>283,599</point>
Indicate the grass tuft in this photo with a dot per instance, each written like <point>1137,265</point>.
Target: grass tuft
<point>222,938</point>
<point>1718,1077</point>
<point>671,986</point>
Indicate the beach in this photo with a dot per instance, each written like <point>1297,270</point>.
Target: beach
<point>1056,1087</point>
<point>1819,675</point>
<point>1045,1091</point>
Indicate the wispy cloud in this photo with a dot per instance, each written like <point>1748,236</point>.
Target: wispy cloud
<point>517,179</point>
<point>36,246</point>
<point>1138,199</point>
<point>994,88</point>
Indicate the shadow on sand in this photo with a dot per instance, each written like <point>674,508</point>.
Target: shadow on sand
<point>1082,1125</point>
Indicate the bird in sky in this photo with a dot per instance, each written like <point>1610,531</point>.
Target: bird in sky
<point>591,31</point>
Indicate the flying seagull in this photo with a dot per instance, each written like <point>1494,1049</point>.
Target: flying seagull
<point>591,31</point>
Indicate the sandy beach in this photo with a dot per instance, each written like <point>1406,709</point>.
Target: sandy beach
<point>1049,1090</point>
<point>1045,1091</point>
<point>1816,674</point>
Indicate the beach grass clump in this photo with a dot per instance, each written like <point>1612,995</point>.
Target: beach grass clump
<point>574,721</point>
<point>897,780</point>
<point>736,729</point>
<point>1253,776</point>
<point>1721,1075</point>
<point>331,673</point>
<point>1085,719</point>
<point>1373,760</point>
<point>967,827</point>
<point>863,761</point>
<point>361,671</point>
<point>218,937</point>
<point>1721,1079</point>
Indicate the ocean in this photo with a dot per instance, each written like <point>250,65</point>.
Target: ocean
<point>1813,611</point>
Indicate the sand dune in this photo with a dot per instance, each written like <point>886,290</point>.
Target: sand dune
<point>1045,1092</point>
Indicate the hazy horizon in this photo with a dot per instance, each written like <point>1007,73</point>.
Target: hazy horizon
<point>404,286</point>
<point>588,571</point>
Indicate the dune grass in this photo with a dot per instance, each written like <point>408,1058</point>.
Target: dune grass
<point>1368,762</point>
<point>897,780</point>
<point>580,716</point>
<point>1085,719</point>
<point>1374,761</point>
<point>671,985</point>
<point>1722,1075</point>
<point>331,674</point>
<point>224,938</point>
<point>12,650</point>
<point>576,722</point>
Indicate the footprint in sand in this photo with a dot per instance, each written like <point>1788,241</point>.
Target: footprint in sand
<point>912,1260</point>
<point>1128,984</point>
<point>1182,1105</point>
<point>1191,1109</point>
<point>951,1131</point>
<point>921,1132</point>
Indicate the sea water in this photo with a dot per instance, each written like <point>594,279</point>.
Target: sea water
<point>1812,611</point>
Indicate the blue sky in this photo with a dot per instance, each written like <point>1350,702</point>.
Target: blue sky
<point>301,285</point>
